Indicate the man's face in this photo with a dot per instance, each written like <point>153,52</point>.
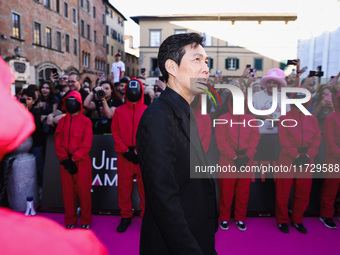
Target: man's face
<point>194,64</point>
<point>121,88</point>
<point>73,83</point>
<point>272,84</point>
<point>117,58</point>
<point>63,80</point>
<point>29,101</point>
<point>309,84</point>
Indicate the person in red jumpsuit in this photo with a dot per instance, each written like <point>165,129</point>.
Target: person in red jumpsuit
<point>203,123</point>
<point>73,141</point>
<point>237,144</point>
<point>299,145</point>
<point>331,183</point>
<point>124,127</point>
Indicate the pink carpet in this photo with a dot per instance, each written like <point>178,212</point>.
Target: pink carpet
<point>261,237</point>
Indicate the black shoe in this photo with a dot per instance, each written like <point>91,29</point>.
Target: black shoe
<point>224,225</point>
<point>85,226</point>
<point>283,227</point>
<point>300,227</point>
<point>70,226</point>
<point>241,226</point>
<point>328,222</point>
<point>123,225</point>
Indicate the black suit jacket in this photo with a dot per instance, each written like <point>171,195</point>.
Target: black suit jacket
<point>180,212</point>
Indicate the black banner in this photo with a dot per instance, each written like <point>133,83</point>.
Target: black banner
<point>104,178</point>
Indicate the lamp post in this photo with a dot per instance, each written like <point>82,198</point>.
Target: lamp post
<point>17,51</point>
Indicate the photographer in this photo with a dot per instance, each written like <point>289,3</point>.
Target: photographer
<point>103,102</point>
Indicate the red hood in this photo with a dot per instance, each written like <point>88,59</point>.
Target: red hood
<point>141,100</point>
<point>17,123</point>
<point>230,104</point>
<point>308,104</point>
<point>76,95</point>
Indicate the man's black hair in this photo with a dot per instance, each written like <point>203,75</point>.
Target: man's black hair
<point>29,93</point>
<point>173,48</point>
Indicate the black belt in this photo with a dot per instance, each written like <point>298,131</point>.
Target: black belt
<point>241,152</point>
<point>303,149</point>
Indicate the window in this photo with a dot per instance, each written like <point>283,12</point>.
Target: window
<point>88,32</point>
<point>75,47</point>
<point>37,33</point>
<point>88,6</point>
<point>82,28</point>
<point>258,64</point>
<point>107,30</point>
<point>104,41</point>
<point>94,12</point>
<point>86,58</point>
<point>111,15</point>
<point>232,63</point>
<point>111,50</point>
<point>82,3</point>
<point>58,41</point>
<point>118,39</point>
<point>47,3</point>
<point>107,49</point>
<point>57,6</point>
<point>155,38</point>
<point>180,31</point>
<point>74,15</point>
<point>48,37</point>
<point>67,43</point>
<point>16,24</point>
<point>103,17</point>
<point>66,10</point>
<point>95,36</point>
<point>118,20</point>
<point>211,63</point>
<point>207,40</point>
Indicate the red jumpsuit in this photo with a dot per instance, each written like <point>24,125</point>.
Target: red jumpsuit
<point>331,185</point>
<point>73,136</point>
<point>124,128</point>
<point>304,136</point>
<point>231,140</point>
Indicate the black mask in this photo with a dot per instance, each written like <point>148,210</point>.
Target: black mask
<point>133,91</point>
<point>72,105</point>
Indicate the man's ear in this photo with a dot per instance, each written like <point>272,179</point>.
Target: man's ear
<point>171,67</point>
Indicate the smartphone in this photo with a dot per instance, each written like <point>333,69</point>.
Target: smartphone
<point>291,62</point>
<point>101,75</point>
<point>312,73</point>
<point>248,66</point>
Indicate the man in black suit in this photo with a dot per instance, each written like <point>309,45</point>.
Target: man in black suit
<point>180,212</point>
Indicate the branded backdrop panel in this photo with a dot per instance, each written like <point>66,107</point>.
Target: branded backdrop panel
<point>104,177</point>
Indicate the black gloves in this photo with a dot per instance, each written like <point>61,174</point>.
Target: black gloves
<point>131,156</point>
<point>241,161</point>
<point>70,165</point>
<point>301,160</point>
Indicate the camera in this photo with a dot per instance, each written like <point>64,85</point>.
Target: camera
<point>100,93</point>
<point>315,73</point>
<point>22,100</point>
<point>291,62</point>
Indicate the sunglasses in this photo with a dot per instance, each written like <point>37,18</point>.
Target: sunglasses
<point>63,79</point>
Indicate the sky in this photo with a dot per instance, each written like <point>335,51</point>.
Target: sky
<point>314,16</point>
